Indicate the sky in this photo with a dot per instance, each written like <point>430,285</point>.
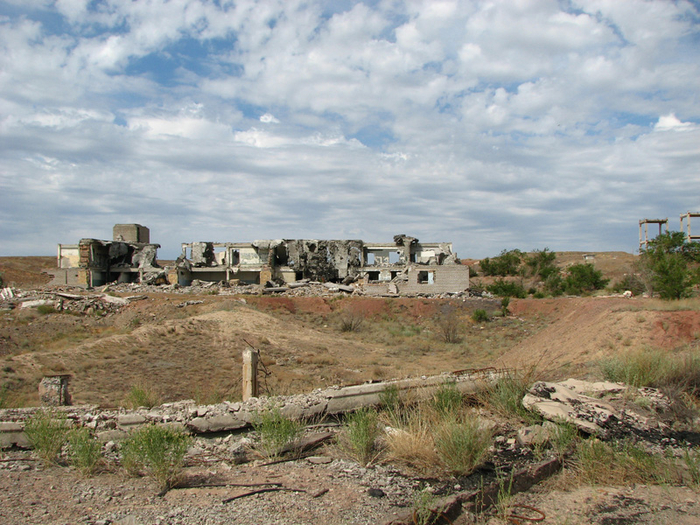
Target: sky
<point>492,124</point>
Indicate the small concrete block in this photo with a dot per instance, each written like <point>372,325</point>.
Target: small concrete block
<point>112,435</point>
<point>130,419</point>
<point>216,423</point>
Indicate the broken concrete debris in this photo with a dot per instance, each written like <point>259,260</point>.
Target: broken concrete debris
<point>402,267</point>
<point>567,401</point>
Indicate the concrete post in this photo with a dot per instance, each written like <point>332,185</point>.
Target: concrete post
<point>250,374</point>
<point>53,391</point>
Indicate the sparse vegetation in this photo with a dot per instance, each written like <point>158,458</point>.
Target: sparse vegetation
<point>357,439</point>
<point>275,431</point>
<point>141,396</point>
<point>425,509</point>
<point>480,316</point>
<point>447,399</point>
<point>505,288</point>
<point>652,367</point>
<point>157,451</point>
<point>45,309</point>
<point>507,263</point>
<point>583,279</point>
<point>462,445</point>
<point>84,450</point>
<point>351,321</point>
<point>449,326</point>
<point>47,431</point>
<point>506,394</point>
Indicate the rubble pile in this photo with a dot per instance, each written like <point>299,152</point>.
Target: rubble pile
<point>100,304</point>
<point>603,409</point>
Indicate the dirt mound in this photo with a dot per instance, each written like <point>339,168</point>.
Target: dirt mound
<point>581,331</point>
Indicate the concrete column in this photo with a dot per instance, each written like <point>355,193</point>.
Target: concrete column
<point>53,391</point>
<point>250,374</point>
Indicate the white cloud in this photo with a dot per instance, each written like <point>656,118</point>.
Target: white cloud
<point>494,124</point>
<point>671,122</point>
<point>268,118</point>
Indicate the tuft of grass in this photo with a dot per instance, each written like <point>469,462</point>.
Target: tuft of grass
<point>462,446</point>
<point>599,463</point>
<point>639,368</point>
<point>47,431</point>
<point>357,439</point>
<point>447,399</point>
<point>691,460</point>
<point>45,309</point>
<point>84,450</point>
<point>564,437</point>
<point>449,327</point>
<point>157,451</point>
<point>276,431</point>
<point>425,508</point>
<point>505,397</point>
<point>410,440</point>
<point>141,396</point>
<point>351,321</point>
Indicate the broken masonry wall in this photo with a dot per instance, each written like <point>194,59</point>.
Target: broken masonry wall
<point>327,261</point>
<point>203,254</point>
<point>431,279</point>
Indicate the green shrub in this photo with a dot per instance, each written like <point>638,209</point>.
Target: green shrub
<point>541,263</point>
<point>141,396</point>
<point>462,445</point>
<point>480,316</point>
<point>45,309</point>
<point>84,450</point>
<point>630,282</point>
<point>275,431</point>
<point>47,431</point>
<point>507,289</point>
<point>583,278</point>
<point>447,399</point>
<point>507,263</point>
<point>157,451</point>
<point>359,434</point>
<point>505,302</point>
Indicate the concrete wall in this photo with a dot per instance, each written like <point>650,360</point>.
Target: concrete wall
<point>131,233</point>
<point>447,278</point>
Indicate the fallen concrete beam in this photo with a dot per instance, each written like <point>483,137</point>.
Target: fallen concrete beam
<point>226,416</point>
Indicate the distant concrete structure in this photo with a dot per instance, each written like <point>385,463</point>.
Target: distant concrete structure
<point>687,217</point>
<point>94,262</point>
<point>644,240</point>
<point>402,266</point>
<point>134,233</point>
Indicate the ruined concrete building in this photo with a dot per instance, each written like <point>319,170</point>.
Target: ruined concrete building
<point>129,257</point>
<point>407,264</point>
<point>402,266</point>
